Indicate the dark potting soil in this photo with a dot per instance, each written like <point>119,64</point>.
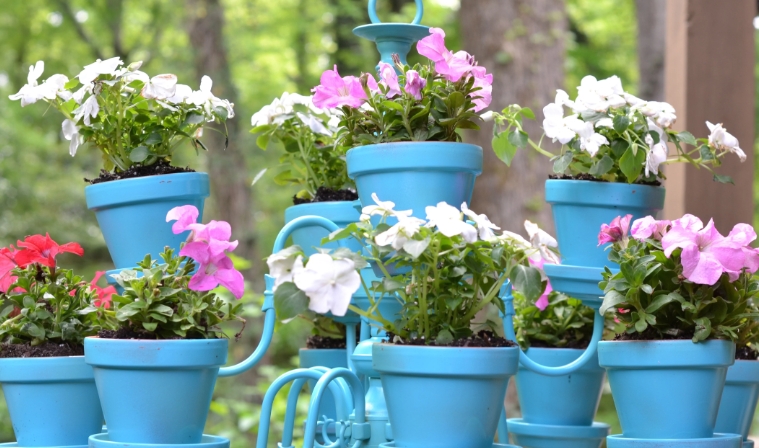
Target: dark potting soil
<point>481,339</point>
<point>746,353</point>
<point>139,171</point>
<point>44,350</point>
<point>323,342</point>
<point>585,176</point>
<point>125,333</point>
<point>651,335</point>
<point>582,344</point>
<point>324,194</point>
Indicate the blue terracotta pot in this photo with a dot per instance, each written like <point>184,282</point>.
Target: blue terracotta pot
<point>446,397</point>
<point>415,174</point>
<point>51,401</point>
<point>715,441</point>
<point>531,435</point>
<point>155,391</point>
<point>131,213</point>
<point>739,398</point>
<point>569,400</point>
<point>104,441</point>
<point>666,389</point>
<point>580,207</point>
<point>331,358</point>
<point>341,213</point>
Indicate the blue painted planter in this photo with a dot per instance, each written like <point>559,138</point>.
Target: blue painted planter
<point>569,400</point>
<point>739,398</point>
<point>341,213</point>
<point>494,445</point>
<point>155,391</point>
<point>580,207</point>
<point>666,389</point>
<point>104,441</point>
<point>415,174</point>
<point>131,213</point>
<point>446,397</point>
<point>330,358</point>
<point>529,435</point>
<point>715,441</point>
<point>51,401</point>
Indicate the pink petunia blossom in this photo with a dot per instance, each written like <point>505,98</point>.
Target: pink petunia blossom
<point>105,294</point>
<point>335,91</point>
<point>414,84</point>
<point>538,262</point>
<point>184,216</point>
<point>649,227</point>
<point>433,46</point>
<point>216,233</point>
<point>213,270</point>
<point>744,234</point>
<point>389,79</point>
<point>484,81</point>
<point>616,231</point>
<point>453,66</point>
<point>7,265</point>
<point>706,254</point>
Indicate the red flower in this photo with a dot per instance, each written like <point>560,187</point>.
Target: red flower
<point>7,264</point>
<point>43,250</point>
<point>104,294</point>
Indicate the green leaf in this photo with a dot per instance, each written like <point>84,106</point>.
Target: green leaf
<point>139,154</point>
<point>527,113</point>
<point>618,147</point>
<point>503,148</point>
<point>687,137</point>
<point>289,301</point>
<point>150,326</point>
<point>153,139</point>
<point>703,329</point>
<point>193,119</point>
<point>444,337</point>
<point>611,300</point>
<point>392,105</point>
<point>261,128</point>
<point>527,281</point>
<point>162,309</point>
<point>641,325</point>
<point>456,100</point>
<point>453,302</point>
<point>705,152</point>
<point>631,163</point>
<point>221,112</point>
<point>621,122</point>
<point>723,179</point>
<point>660,301</point>
<point>601,167</point>
<point>518,138</point>
<point>416,247</point>
<point>262,141</point>
<point>562,163</point>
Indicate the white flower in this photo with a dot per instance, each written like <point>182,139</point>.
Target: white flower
<point>516,240</point>
<point>31,92</point>
<point>181,93</point>
<point>722,140</point>
<point>605,122</point>
<point>334,123</point>
<point>590,140</point>
<point>56,86</point>
<point>205,99</point>
<point>448,221</point>
<point>397,235</point>
<point>314,123</point>
<point>487,116</point>
<point>71,133</point>
<point>484,226</point>
<point>160,87</point>
<point>89,109</point>
<point>383,208</point>
<point>632,100</point>
<point>543,242</point>
<point>657,154</point>
<point>283,266</point>
<point>662,113</point>
<point>135,75</point>
<point>79,94</point>
<point>97,68</point>
<point>599,96</point>
<point>328,283</point>
<point>555,125</point>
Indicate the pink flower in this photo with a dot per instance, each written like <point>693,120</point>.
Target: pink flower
<point>453,66</point>
<point>649,227</point>
<point>433,46</point>
<point>542,302</point>
<point>335,91</point>
<point>216,233</point>
<point>616,231</point>
<point>389,79</point>
<point>7,265</point>
<point>706,254</point>
<point>744,234</point>
<point>184,216</point>
<point>105,295</point>
<point>213,270</point>
<point>371,83</point>
<point>414,84</point>
<point>484,81</point>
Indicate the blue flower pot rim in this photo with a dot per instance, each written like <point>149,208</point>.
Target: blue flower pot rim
<point>743,372</point>
<point>336,211</point>
<point>417,156</point>
<point>154,354</point>
<point>462,362</point>
<point>717,441</point>
<point>44,370</point>
<point>495,445</point>
<point>147,188</point>
<point>595,431</point>
<point>16,445</point>
<point>207,441</point>
<point>573,353</point>
<point>666,354</point>
<point>603,194</point>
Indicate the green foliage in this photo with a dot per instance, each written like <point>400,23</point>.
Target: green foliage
<point>565,322</point>
<point>650,295</point>
<point>160,302</point>
<point>55,306</point>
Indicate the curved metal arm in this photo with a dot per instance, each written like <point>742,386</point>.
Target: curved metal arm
<point>508,325</point>
<point>361,430</point>
<point>417,18</point>
<point>350,344</point>
<point>299,223</point>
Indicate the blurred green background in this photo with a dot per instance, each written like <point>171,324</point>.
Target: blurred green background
<point>270,47</point>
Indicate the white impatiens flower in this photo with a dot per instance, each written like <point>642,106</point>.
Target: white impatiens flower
<point>484,226</point>
<point>722,140</point>
<point>632,100</point>
<point>383,208</point>
<point>516,240</point>
<point>181,93</point>
<point>590,140</point>
<point>31,92</point>
<point>283,108</point>
<point>448,221</point>
<point>284,265</point>
<point>662,113</point>
<point>397,235</point>
<point>543,242</point>
<point>88,110</point>
<point>328,283</point>
<point>605,122</point>
<point>599,96</point>
<point>657,152</point>
<point>205,98</point>
<point>160,87</point>
<point>56,86</point>
<point>555,125</point>
<point>313,123</point>
<point>97,68</point>
<point>71,133</point>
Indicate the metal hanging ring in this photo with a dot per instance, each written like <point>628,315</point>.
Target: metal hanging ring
<point>417,18</point>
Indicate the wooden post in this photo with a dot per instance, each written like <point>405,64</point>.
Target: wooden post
<point>710,76</point>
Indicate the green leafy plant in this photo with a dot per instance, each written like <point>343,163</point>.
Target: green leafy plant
<point>563,323</point>
<point>160,304</point>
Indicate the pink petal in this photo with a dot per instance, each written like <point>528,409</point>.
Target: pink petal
<point>202,281</point>
<point>184,216</point>
<point>232,280</point>
<point>542,302</point>
<point>433,46</point>
<point>698,267</point>
<point>198,251</point>
<point>742,234</point>
<point>624,224</point>
<point>678,237</point>
<point>643,228</point>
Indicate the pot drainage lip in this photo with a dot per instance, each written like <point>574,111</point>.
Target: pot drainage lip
<point>717,441</point>
<point>595,431</point>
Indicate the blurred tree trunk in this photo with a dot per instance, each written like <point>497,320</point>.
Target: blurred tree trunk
<point>348,14</point>
<point>230,182</point>
<point>652,33</point>
<point>522,43</point>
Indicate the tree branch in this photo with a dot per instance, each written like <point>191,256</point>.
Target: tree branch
<point>68,13</point>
